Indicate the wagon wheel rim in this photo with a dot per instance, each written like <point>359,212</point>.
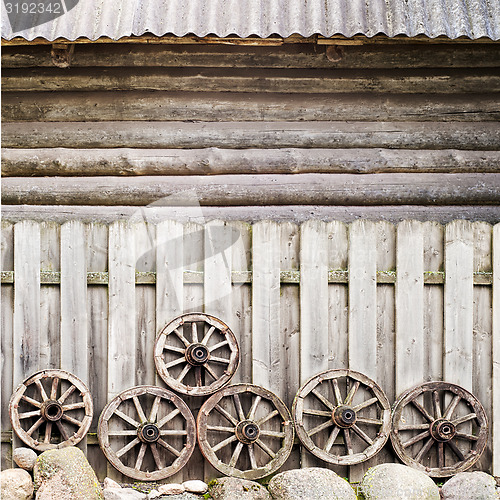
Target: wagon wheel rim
<point>437,443</point>
<point>54,402</point>
<point>338,431</point>
<point>137,424</point>
<point>261,434</point>
<point>196,354</point>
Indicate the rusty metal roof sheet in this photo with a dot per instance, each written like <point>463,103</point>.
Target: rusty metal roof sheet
<point>93,19</point>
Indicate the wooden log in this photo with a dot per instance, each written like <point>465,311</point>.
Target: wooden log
<point>241,135</point>
<point>297,213</point>
<point>252,80</point>
<point>205,106</point>
<point>302,189</point>
<point>211,161</point>
<point>286,56</point>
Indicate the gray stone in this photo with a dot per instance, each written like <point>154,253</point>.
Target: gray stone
<point>16,484</point>
<point>396,481</point>
<point>195,486</point>
<point>154,494</point>
<point>171,489</point>
<point>232,488</point>
<point>123,494</point>
<point>110,483</point>
<point>470,486</point>
<point>24,458</point>
<point>65,473</point>
<point>313,483</point>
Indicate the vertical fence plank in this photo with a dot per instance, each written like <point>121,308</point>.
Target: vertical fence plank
<point>145,242</point>
<point>495,421</point>
<point>97,323</point>
<point>363,298</point>
<point>409,306</point>
<point>338,244</point>
<point>241,322</point>
<point>74,346</point>
<point>362,306</point>
<point>122,318</point>
<point>26,338</point>
<point>50,297</point>
<point>194,256</point>
<point>433,302</point>
<point>458,314</point>
<point>267,367</point>
<point>6,338</point>
<point>313,307</point>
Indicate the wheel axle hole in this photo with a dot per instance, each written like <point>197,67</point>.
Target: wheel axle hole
<point>52,411</point>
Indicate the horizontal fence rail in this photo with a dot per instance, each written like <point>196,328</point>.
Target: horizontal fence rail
<point>404,304</point>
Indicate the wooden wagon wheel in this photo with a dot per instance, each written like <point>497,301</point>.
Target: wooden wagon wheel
<point>51,409</point>
<point>147,433</point>
<point>196,354</point>
<point>342,417</point>
<point>439,428</point>
<point>245,431</point>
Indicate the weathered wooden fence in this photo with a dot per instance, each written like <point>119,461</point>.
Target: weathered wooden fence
<point>402,303</point>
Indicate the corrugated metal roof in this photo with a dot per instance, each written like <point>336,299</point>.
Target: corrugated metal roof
<point>116,19</point>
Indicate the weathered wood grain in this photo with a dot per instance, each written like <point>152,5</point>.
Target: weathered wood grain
<point>267,363</point>
<point>482,328</point>
<point>74,344</point>
<point>265,189</point>
<point>240,134</point>
<point>215,161</point>
<point>286,56</point>
<point>50,297</point>
<point>458,303</point>
<point>227,106</point>
<point>252,80</point>
<point>409,306</point>
<point>495,395</point>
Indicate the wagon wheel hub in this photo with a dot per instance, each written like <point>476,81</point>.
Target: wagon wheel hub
<point>344,416</point>
<point>247,432</point>
<point>197,354</point>
<point>51,410</point>
<point>443,430</point>
<point>148,433</point>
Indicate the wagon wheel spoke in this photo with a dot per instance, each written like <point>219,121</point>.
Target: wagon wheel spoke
<point>465,418</point>
<point>38,383</point>
<point>468,437</point>
<point>317,413</point>
<point>265,448</point>
<point>348,442</point>
<point>416,439</point>
<point>273,434</point>
<point>138,407</point>
<point>370,421</point>
<point>320,428</point>
<point>236,454</point>
<point>53,389</point>
<point>31,401</point>
<point>168,447</point>
<point>48,432</point>
<point>425,449</point>
<point>331,439</point>
<point>70,390</point>
<point>127,447</point>
<point>209,370</point>
<point>154,409</point>
<point>452,406</point>
<point>127,419</point>
<point>30,414</point>
<point>184,372</point>
<point>413,427</point>
<point>174,349</point>
<point>198,376</point>
<point>455,450</point>
<point>194,332</point>
<point>74,406</point>
<point>62,430</point>
<point>35,426</point>
<point>216,359</point>
<point>365,404</point>
<point>422,410</point>
<point>436,404</point>
<point>181,337</point>
<point>322,398</point>
<point>367,439</point>
<point>440,455</point>
<point>168,417</point>
<point>336,391</point>
<point>226,414</point>
<point>208,335</point>
<point>268,417</point>
<point>224,443</point>
<point>175,362</point>
<point>72,420</point>
<point>239,407</point>
<point>352,393</point>
<point>140,456</point>
<point>156,456</point>
<point>218,346</point>
<point>251,455</point>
